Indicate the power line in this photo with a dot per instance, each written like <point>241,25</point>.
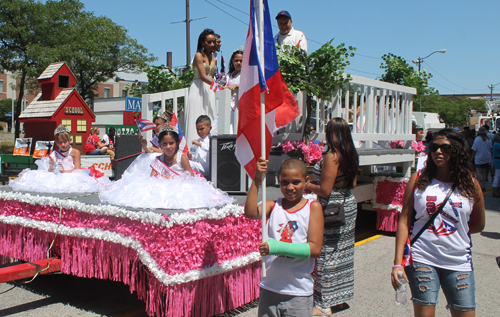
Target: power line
<point>362,71</point>
<point>232,7</point>
<point>450,80</point>
<point>226,12</point>
<point>441,85</point>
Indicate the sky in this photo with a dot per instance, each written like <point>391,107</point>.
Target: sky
<point>468,30</point>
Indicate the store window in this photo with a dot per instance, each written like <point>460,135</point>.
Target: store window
<point>81,125</point>
<point>66,123</point>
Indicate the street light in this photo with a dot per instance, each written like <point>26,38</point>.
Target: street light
<point>419,62</point>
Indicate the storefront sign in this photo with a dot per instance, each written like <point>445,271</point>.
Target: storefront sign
<point>123,129</point>
<point>133,104</point>
<point>73,110</point>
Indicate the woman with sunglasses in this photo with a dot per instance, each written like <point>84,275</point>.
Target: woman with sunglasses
<point>441,256</point>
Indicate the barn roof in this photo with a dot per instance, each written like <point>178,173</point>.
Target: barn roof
<point>51,70</point>
<point>42,109</point>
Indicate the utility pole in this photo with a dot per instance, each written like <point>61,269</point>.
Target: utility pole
<point>188,33</point>
<point>491,91</point>
<point>188,36</point>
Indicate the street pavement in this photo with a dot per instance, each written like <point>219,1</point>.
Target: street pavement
<point>60,295</point>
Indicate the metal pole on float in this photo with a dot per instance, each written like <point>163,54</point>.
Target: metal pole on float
<point>260,32</point>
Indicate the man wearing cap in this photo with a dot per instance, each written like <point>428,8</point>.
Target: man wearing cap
<point>287,34</point>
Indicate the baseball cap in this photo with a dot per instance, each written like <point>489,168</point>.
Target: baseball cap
<point>283,13</point>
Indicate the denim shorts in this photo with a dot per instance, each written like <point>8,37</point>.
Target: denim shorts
<point>459,288</point>
<point>485,165</point>
<point>95,152</point>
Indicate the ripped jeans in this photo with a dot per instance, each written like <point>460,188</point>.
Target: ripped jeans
<point>458,287</point>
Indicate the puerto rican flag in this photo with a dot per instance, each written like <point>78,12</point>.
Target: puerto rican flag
<point>144,125</point>
<point>215,86</point>
<point>407,256</point>
<point>445,229</point>
<point>182,140</point>
<point>281,107</point>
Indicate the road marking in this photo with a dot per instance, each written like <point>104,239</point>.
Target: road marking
<point>357,244</point>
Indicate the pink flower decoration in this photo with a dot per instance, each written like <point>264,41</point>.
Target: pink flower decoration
<point>418,146</point>
<point>288,146</point>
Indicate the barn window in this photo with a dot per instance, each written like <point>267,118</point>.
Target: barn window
<point>66,123</point>
<point>63,81</point>
<point>81,125</point>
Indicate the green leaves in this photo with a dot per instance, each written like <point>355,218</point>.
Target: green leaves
<point>453,111</point>
<point>398,71</point>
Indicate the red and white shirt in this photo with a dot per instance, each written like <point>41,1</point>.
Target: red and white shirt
<point>286,275</point>
<point>446,243</point>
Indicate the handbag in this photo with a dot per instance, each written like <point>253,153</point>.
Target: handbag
<point>334,215</point>
<point>407,258</point>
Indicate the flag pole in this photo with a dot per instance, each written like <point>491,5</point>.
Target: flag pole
<point>260,31</point>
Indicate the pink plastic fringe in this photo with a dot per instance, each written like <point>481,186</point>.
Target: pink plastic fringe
<point>105,260</point>
<point>387,220</point>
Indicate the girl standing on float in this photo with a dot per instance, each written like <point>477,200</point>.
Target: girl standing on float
<point>201,98</point>
<point>441,256</point>
<point>233,82</point>
<point>167,184</point>
<point>61,172</point>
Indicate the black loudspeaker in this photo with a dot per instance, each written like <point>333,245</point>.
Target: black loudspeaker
<point>226,172</point>
<point>126,145</point>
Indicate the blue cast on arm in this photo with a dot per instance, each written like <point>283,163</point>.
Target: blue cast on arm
<point>294,250</point>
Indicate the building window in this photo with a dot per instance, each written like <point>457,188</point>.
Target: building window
<point>124,92</point>
<point>67,123</point>
<point>63,81</point>
<point>1,86</point>
<point>107,92</point>
<point>81,125</point>
<point>78,139</point>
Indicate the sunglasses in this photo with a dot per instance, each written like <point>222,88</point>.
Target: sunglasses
<point>445,148</point>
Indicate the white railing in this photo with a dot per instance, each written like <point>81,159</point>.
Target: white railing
<point>149,99</point>
<point>387,115</point>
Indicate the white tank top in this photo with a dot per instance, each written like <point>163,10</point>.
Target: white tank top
<point>447,242</point>
<point>287,275</point>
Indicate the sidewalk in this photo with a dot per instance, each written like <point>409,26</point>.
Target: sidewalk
<point>374,295</point>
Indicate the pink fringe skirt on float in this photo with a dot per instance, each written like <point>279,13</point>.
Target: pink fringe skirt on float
<point>199,268</point>
<point>388,201</point>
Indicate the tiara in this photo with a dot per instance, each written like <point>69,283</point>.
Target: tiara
<point>60,129</point>
<point>165,116</point>
<point>168,127</point>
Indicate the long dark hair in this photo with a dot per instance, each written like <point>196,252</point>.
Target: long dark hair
<point>174,134</point>
<point>460,167</point>
<point>339,140</point>
<point>202,38</point>
<point>231,65</point>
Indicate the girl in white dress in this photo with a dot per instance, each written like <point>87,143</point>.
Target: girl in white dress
<point>61,172</point>
<point>233,83</point>
<point>168,182</point>
<point>201,98</point>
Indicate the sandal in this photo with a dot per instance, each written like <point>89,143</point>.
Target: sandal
<point>339,308</point>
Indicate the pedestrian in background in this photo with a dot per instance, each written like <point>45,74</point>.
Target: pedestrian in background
<point>336,175</point>
<point>481,150</point>
<point>496,165</point>
<point>441,255</point>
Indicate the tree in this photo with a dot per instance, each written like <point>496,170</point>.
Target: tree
<point>29,37</point>
<point>35,34</point>
<point>454,112</point>
<point>161,78</point>
<point>97,49</point>
<point>398,71</point>
<point>317,74</point>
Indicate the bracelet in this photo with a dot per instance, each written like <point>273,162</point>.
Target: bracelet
<point>397,265</point>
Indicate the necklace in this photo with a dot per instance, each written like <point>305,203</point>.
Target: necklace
<point>169,162</point>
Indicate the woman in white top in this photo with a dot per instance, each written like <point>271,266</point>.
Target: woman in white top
<point>441,256</point>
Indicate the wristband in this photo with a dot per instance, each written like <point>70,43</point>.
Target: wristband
<point>294,250</point>
<point>397,265</point>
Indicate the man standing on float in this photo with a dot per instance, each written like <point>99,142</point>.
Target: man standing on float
<point>287,34</point>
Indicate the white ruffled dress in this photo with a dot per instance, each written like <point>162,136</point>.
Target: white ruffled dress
<point>137,189</point>
<point>43,181</point>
